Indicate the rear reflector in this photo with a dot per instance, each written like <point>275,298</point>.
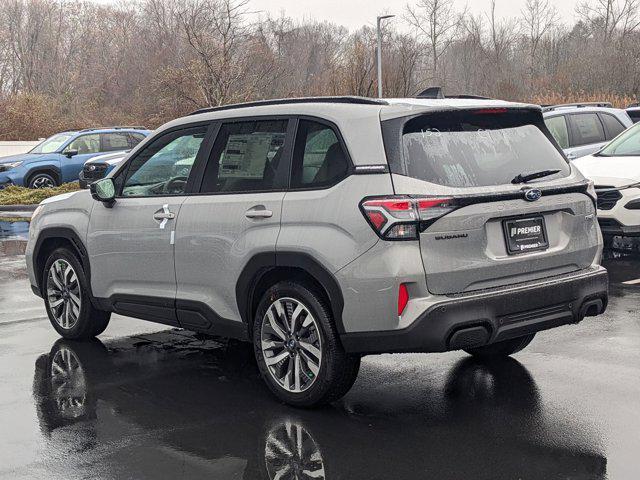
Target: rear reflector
<point>399,217</point>
<point>403,298</point>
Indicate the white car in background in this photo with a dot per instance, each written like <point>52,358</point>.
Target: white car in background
<point>584,128</point>
<point>99,167</point>
<point>615,171</point>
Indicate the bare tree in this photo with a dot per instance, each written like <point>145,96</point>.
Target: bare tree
<point>611,17</point>
<point>73,63</point>
<point>439,24</point>
<point>539,18</point>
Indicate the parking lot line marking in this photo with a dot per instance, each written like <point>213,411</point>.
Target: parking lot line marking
<point>632,282</point>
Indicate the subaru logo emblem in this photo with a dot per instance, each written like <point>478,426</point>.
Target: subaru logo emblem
<point>532,195</point>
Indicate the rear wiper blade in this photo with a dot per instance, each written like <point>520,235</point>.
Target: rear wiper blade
<point>527,177</point>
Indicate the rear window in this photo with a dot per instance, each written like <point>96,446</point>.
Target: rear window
<point>587,129</point>
<point>478,148</point>
<point>634,114</point>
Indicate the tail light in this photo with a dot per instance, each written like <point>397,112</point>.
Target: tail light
<point>400,217</point>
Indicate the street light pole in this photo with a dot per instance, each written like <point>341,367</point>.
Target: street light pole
<point>379,51</point>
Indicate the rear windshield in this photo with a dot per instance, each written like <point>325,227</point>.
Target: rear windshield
<point>478,148</point>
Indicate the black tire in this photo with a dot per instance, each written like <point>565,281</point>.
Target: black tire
<point>501,349</point>
<point>338,370</point>
<point>90,321</point>
<point>42,180</point>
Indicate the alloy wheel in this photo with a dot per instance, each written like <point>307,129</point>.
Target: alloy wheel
<point>291,344</point>
<point>63,294</point>
<point>43,182</point>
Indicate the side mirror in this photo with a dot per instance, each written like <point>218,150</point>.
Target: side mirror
<point>70,153</point>
<point>104,190</point>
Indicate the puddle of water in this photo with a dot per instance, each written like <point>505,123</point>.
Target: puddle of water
<point>14,230</point>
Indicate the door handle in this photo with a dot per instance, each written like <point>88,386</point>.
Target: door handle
<point>164,215</point>
<point>259,211</point>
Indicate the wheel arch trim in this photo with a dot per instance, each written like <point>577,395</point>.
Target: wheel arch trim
<point>42,168</point>
<point>262,263</point>
<point>64,233</point>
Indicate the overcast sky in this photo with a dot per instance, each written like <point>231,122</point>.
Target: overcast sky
<point>355,13</point>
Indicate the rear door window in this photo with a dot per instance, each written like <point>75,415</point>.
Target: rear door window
<point>113,142</point>
<point>558,128</point>
<point>478,148</point>
<point>587,128</point>
<point>247,157</point>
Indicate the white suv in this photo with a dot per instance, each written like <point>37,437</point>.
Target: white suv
<point>584,128</point>
<point>616,172</point>
<point>325,229</point>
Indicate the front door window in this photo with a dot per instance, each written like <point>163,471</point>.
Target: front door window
<point>163,168</point>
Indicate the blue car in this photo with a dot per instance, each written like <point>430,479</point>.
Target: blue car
<point>60,158</point>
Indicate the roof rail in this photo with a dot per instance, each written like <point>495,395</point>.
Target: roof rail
<point>469,97</point>
<point>435,93</point>
<point>118,127</point>
<point>551,108</point>
<point>634,105</point>
<point>286,101</point>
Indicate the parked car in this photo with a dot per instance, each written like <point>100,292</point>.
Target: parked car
<point>99,167</point>
<point>584,128</point>
<point>325,229</point>
<point>634,112</point>
<point>60,158</point>
<point>614,167</point>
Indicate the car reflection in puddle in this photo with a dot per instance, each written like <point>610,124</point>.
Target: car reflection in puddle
<point>291,452</point>
<point>177,405</point>
<point>10,230</point>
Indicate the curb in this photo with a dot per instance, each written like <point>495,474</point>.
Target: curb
<point>12,247</point>
<point>18,208</point>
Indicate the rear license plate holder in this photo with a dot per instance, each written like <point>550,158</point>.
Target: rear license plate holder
<point>528,234</point>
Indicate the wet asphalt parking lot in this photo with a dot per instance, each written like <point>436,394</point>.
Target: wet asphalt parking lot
<point>144,402</point>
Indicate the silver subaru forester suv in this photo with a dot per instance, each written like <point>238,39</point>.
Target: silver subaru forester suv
<point>324,229</point>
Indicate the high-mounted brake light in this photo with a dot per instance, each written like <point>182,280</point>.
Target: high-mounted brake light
<point>401,217</point>
<point>490,111</point>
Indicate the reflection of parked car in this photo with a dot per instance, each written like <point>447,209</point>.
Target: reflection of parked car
<point>99,167</point>
<point>584,128</point>
<point>187,407</point>
<point>617,165</point>
<point>60,158</point>
<point>634,112</point>
<point>325,229</point>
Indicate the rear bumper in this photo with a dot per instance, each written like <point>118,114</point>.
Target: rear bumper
<point>612,228</point>
<point>492,316</point>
